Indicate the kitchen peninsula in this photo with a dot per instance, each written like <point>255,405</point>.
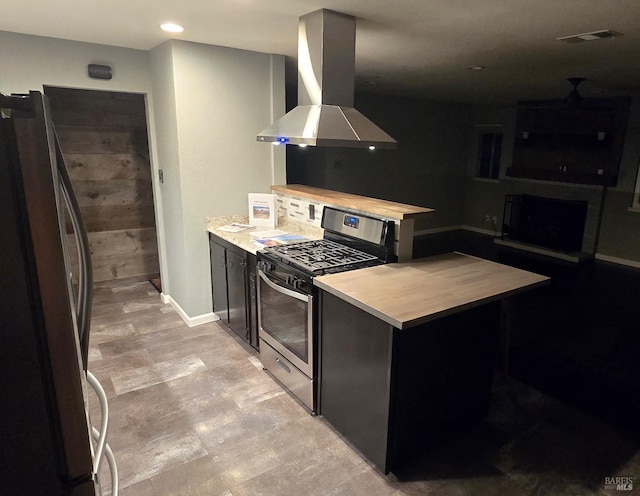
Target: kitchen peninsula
<point>405,351</point>
<point>408,350</point>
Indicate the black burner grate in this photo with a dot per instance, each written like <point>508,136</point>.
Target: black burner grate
<point>319,255</point>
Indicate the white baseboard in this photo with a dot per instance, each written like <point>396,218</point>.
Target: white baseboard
<point>436,230</point>
<point>616,260</point>
<point>574,257</point>
<point>488,232</point>
<point>190,321</point>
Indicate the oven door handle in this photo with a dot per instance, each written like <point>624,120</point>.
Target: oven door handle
<point>280,289</point>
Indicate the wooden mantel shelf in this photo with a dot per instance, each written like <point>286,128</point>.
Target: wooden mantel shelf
<point>383,208</point>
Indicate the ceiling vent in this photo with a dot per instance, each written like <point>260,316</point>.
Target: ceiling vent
<point>594,35</point>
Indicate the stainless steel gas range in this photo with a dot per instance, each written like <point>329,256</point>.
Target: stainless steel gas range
<point>287,298</point>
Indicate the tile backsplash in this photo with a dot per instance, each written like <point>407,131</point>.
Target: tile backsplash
<point>293,208</point>
<point>307,210</point>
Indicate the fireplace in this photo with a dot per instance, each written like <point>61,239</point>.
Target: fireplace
<point>546,222</point>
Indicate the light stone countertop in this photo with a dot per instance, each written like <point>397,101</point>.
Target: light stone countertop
<point>244,240</point>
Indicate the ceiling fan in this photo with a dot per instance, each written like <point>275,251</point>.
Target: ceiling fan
<point>573,100</point>
<point>574,96</point>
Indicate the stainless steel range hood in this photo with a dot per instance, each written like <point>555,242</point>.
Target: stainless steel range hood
<point>326,77</point>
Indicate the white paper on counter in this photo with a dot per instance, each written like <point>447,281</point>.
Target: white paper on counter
<point>235,227</point>
<point>267,234</point>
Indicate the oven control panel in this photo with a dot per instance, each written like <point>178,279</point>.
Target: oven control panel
<point>360,227</point>
<point>351,221</point>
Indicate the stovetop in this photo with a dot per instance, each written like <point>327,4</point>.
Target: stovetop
<point>320,256</point>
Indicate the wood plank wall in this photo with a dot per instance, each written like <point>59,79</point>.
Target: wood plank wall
<point>103,136</point>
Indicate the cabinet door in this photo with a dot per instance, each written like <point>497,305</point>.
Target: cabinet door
<point>253,312</point>
<point>252,301</point>
<point>236,284</point>
<point>219,281</point>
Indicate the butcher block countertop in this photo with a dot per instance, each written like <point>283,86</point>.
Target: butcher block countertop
<point>411,293</point>
<point>374,206</point>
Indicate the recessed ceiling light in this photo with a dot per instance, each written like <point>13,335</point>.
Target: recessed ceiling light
<point>475,67</point>
<point>170,27</point>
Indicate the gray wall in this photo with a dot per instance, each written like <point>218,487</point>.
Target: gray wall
<point>427,169</point>
<point>210,104</point>
<point>30,62</point>
<point>620,234</point>
<point>167,159</point>
<point>212,101</point>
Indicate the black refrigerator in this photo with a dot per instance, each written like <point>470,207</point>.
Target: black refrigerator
<point>48,446</point>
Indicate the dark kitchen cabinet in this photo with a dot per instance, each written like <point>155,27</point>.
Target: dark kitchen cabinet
<point>237,292</point>
<point>395,394</point>
<point>233,288</point>
<point>219,280</point>
<point>252,313</point>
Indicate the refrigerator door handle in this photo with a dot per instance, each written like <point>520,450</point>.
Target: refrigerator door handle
<point>85,272</point>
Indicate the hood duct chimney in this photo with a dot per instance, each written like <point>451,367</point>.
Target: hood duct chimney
<point>326,78</point>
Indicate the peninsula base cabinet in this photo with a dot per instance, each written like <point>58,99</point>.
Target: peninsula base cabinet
<point>395,394</point>
<point>233,283</point>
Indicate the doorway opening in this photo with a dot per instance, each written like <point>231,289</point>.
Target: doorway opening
<point>103,137</point>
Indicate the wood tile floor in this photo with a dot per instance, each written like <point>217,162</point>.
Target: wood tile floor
<point>193,413</point>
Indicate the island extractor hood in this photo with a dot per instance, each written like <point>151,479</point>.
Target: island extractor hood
<point>326,77</point>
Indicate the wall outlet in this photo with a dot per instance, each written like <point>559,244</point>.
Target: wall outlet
<point>486,218</point>
<point>494,220</point>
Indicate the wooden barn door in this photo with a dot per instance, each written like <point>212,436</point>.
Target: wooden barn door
<point>103,136</point>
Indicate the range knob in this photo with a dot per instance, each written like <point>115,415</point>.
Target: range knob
<point>294,281</point>
<point>265,266</point>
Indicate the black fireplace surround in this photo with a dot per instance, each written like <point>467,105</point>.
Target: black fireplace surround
<point>546,222</point>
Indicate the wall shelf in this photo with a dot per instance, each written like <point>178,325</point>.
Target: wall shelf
<point>575,143</point>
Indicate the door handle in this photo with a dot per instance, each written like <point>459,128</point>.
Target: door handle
<point>283,365</point>
<point>280,289</point>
